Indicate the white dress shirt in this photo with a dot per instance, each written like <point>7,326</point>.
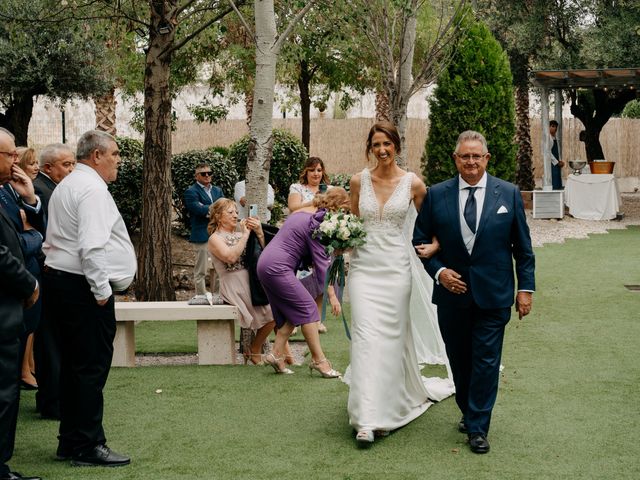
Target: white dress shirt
<point>86,234</point>
<point>468,236</point>
<point>239,191</point>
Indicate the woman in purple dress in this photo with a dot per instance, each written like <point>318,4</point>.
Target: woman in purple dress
<point>291,303</point>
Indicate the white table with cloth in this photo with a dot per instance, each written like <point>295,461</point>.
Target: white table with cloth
<point>592,196</point>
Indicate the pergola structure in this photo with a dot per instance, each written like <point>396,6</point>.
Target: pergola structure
<point>558,80</point>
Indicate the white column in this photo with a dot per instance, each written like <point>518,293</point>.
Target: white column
<point>544,137</point>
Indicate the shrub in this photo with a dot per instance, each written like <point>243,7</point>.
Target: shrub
<point>632,109</point>
<point>183,167</point>
<point>127,189</point>
<point>340,180</point>
<point>288,158</point>
<point>474,93</point>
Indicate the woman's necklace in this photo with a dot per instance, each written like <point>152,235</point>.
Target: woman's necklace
<point>231,239</point>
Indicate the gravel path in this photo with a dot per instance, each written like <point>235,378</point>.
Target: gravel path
<point>555,231</point>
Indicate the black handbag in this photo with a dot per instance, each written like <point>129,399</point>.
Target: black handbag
<point>253,252</point>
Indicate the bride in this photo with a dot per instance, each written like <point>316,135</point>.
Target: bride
<point>394,325</point>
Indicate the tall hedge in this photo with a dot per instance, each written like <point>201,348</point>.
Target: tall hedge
<point>127,189</point>
<point>473,93</point>
<point>289,155</point>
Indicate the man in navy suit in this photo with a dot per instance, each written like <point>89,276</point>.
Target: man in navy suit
<point>197,198</point>
<point>18,289</point>
<point>480,223</point>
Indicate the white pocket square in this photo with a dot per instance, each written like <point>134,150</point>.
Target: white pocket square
<point>502,209</point>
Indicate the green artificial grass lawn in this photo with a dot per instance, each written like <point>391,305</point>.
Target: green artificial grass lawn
<point>567,406</point>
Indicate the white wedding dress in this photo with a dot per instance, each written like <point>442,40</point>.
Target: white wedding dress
<point>394,326</point>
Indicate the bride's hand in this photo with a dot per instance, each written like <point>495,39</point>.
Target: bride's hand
<point>428,250</point>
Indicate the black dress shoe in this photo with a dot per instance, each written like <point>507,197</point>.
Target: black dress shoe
<point>17,476</point>
<point>478,443</point>
<point>462,426</point>
<point>100,456</point>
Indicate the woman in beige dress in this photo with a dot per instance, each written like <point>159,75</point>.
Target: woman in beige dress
<point>227,247</point>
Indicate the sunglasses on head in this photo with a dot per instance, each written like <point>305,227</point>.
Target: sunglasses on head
<point>205,174</point>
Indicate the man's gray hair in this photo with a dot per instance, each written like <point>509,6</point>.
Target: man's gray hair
<point>4,130</point>
<point>472,135</point>
<point>52,153</point>
<point>92,140</point>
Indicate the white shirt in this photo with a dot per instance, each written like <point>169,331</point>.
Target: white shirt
<point>468,236</point>
<point>239,191</point>
<point>86,234</point>
<point>207,190</point>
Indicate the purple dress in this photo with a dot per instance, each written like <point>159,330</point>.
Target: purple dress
<point>289,300</point>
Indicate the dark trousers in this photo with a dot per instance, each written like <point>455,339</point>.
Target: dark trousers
<point>46,351</point>
<point>86,332</point>
<point>473,340</point>
<point>556,177</point>
<point>10,363</point>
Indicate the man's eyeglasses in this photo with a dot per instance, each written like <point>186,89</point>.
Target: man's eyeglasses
<point>13,155</point>
<point>467,157</point>
<point>205,174</point>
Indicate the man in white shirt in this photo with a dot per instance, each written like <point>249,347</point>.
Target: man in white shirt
<point>89,256</point>
<point>239,192</point>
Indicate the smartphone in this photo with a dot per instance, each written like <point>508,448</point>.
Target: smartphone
<point>322,187</point>
<point>253,210</point>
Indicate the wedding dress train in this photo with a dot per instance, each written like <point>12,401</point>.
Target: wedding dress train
<point>394,326</point>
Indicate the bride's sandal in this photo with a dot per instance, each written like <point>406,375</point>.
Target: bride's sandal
<point>330,373</point>
<point>270,359</point>
<point>365,436</point>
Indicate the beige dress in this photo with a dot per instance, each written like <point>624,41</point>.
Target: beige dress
<point>234,288</point>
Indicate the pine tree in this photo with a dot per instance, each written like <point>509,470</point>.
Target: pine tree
<point>474,92</point>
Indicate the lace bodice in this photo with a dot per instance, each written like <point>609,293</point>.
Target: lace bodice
<point>391,217</point>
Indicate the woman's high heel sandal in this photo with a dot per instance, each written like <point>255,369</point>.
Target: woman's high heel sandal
<point>250,359</point>
<point>331,373</point>
<point>365,436</point>
<point>271,359</point>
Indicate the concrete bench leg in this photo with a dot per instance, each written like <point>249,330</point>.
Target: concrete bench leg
<point>124,345</point>
<point>216,342</point>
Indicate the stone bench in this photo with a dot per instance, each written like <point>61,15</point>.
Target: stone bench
<point>216,329</point>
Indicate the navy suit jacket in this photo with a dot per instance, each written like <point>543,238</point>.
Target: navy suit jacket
<point>16,283</point>
<point>44,187</point>
<point>501,238</point>
<point>197,202</point>
<point>31,241</point>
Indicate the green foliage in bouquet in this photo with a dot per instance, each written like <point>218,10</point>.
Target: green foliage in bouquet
<point>340,231</point>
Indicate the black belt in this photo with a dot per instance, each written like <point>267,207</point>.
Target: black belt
<point>59,273</point>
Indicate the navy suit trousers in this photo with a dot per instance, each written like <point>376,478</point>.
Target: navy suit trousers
<point>473,339</point>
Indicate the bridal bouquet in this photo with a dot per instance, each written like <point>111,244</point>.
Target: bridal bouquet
<point>340,231</point>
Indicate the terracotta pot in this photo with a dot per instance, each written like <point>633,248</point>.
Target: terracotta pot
<point>601,167</point>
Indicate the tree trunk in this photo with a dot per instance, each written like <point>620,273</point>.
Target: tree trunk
<point>399,91</point>
<point>594,108</point>
<point>248,106</point>
<point>383,110</point>
<point>524,156</point>
<point>17,117</point>
<point>106,112</point>
<point>154,257</point>
<point>304,79</point>
<point>261,127</point>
